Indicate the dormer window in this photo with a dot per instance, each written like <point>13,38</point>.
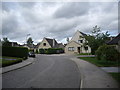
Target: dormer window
<point>44,44</point>
<point>80,41</point>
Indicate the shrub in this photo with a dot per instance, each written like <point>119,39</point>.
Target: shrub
<point>107,52</point>
<point>36,51</point>
<point>41,51</point>
<point>21,52</point>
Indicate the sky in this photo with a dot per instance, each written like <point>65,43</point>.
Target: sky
<point>57,20</point>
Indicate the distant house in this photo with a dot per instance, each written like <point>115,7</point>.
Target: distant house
<point>14,44</point>
<point>77,44</point>
<point>50,43</point>
<point>31,47</point>
<point>115,41</point>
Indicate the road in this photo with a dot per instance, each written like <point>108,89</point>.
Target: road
<point>47,71</point>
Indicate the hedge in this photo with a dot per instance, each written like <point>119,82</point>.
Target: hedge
<point>21,52</point>
<point>107,52</point>
<point>51,51</point>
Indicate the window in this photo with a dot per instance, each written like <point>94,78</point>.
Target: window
<point>70,48</point>
<point>80,41</point>
<point>44,44</point>
<point>86,48</point>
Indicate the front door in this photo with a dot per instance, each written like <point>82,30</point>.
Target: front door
<point>78,49</point>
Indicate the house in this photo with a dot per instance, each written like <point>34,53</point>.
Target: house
<point>30,47</point>
<point>14,44</point>
<point>50,43</point>
<point>78,44</point>
<point>116,42</point>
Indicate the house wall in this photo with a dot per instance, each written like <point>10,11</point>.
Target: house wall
<point>86,51</point>
<point>75,45</point>
<point>42,46</point>
<point>118,46</point>
<point>72,44</point>
<point>77,36</point>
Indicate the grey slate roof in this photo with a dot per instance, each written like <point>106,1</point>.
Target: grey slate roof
<point>115,40</point>
<point>50,41</point>
<point>83,33</point>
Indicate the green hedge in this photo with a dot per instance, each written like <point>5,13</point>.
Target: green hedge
<point>42,51</point>
<point>107,52</point>
<point>21,52</point>
<point>51,51</point>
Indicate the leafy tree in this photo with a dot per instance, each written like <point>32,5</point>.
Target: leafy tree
<point>97,39</point>
<point>6,42</point>
<point>29,41</point>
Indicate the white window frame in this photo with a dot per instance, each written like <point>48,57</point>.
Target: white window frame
<point>71,48</point>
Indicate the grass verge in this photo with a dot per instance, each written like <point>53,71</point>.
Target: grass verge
<point>116,76</point>
<point>101,63</point>
<point>6,61</point>
<point>84,54</point>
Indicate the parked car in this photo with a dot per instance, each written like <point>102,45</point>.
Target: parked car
<point>31,54</point>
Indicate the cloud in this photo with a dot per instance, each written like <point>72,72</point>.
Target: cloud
<point>69,10</point>
<point>56,20</point>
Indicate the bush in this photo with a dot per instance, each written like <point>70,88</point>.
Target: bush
<point>41,51</point>
<point>21,52</point>
<point>51,51</point>
<point>107,52</point>
<point>36,51</point>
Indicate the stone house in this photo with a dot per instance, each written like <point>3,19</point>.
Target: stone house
<point>77,44</point>
<point>50,43</point>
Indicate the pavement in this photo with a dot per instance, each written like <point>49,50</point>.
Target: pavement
<point>111,69</point>
<point>93,76</point>
<point>57,71</point>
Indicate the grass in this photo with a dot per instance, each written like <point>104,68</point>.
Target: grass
<point>101,63</point>
<point>5,61</point>
<point>84,54</point>
<point>116,76</point>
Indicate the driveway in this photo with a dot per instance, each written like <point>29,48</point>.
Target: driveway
<point>48,71</point>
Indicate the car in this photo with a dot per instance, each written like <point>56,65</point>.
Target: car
<point>31,54</point>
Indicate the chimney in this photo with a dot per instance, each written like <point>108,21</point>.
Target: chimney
<point>53,43</point>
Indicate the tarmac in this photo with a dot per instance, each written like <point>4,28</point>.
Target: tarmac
<point>91,75</point>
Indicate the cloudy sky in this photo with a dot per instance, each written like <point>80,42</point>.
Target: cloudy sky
<point>57,20</point>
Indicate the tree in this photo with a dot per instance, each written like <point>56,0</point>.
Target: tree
<point>96,39</point>
<point>6,42</point>
<point>29,41</point>
<point>67,39</point>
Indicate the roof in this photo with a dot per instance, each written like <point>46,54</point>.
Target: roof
<point>50,41</point>
<point>115,40</point>
<point>74,42</point>
<point>36,46</point>
<point>83,33</point>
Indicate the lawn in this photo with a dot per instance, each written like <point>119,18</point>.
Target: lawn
<point>101,63</point>
<point>84,54</point>
<point>116,76</point>
<point>6,61</point>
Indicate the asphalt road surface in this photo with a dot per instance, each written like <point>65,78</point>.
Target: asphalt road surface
<point>48,71</point>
